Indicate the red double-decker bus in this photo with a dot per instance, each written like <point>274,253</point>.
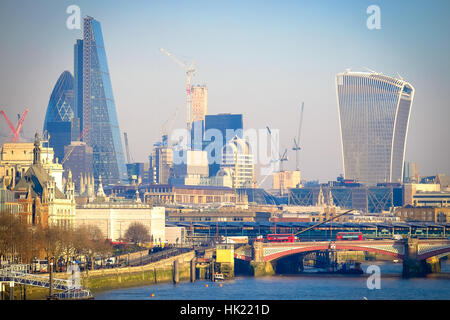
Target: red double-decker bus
<point>349,236</point>
<point>281,237</point>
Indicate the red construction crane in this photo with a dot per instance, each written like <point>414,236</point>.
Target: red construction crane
<point>15,131</point>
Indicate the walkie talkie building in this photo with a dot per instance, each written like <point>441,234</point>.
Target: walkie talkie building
<point>374,112</point>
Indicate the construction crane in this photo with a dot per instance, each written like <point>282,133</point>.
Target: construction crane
<point>125,136</point>
<point>73,147</point>
<point>190,71</point>
<point>168,125</point>
<point>15,131</point>
<point>297,147</point>
<point>281,159</point>
<point>325,221</point>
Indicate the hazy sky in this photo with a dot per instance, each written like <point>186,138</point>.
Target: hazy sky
<point>258,58</point>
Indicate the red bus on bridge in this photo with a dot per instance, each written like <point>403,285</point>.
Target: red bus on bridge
<point>349,236</point>
<point>281,237</point>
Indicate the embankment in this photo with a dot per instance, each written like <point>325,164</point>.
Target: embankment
<point>116,278</point>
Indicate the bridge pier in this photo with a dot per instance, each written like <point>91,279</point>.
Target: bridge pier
<point>260,269</point>
<point>176,275</point>
<point>412,266</point>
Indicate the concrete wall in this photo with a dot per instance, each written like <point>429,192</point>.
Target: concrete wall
<point>114,221</point>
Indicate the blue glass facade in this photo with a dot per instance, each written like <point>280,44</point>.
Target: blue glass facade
<point>99,109</point>
<point>229,125</point>
<point>373,113</point>
<point>78,87</point>
<point>60,115</point>
<point>366,199</point>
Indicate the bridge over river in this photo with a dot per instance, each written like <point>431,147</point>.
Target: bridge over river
<point>415,253</point>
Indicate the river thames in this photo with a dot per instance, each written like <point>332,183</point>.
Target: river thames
<point>298,287</point>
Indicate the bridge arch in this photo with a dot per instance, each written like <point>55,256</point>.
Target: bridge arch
<point>339,247</point>
<point>437,252</point>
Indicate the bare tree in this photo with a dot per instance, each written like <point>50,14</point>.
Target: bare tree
<point>137,232</point>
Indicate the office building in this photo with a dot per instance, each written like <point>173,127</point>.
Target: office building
<point>161,161</point>
<point>374,113</point>
<point>135,172</point>
<point>228,126</point>
<point>78,88</point>
<point>411,173</point>
<point>189,195</point>
<point>79,161</point>
<point>284,180</point>
<point>100,122</point>
<point>237,156</point>
<point>193,169</point>
<point>428,214</point>
<point>60,116</point>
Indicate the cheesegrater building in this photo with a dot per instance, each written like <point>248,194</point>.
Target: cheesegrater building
<point>99,117</point>
<point>374,112</point>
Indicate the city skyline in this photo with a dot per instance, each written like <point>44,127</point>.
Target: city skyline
<point>247,77</point>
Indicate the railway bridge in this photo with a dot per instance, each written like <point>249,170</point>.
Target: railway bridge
<point>413,252</point>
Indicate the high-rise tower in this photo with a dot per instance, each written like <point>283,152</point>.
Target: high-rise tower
<point>374,113</point>
<point>78,88</point>
<point>199,103</point>
<point>60,116</point>
<point>100,122</point>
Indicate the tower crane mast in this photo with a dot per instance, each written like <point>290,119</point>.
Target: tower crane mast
<point>190,71</point>
<point>15,131</point>
<point>297,147</point>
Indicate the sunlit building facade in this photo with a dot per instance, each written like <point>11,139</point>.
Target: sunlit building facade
<point>374,112</point>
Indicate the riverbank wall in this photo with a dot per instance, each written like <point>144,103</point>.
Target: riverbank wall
<point>117,278</point>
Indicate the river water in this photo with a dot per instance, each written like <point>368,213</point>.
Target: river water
<point>297,287</point>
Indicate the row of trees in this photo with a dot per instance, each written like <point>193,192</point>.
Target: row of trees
<point>22,243</point>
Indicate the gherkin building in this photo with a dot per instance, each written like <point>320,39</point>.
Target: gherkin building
<point>59,118</point>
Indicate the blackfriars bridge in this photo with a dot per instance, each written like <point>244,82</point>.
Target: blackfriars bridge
<point>416,254</point>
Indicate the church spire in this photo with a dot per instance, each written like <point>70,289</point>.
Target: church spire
<point>37,150</point>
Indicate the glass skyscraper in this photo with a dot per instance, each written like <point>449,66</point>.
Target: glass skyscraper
<point>100,121</point>
<point>78,87</point>
<point>60,115</point>
<point>229,125</point>
<point>374,113</point>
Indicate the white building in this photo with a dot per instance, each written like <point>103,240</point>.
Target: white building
<point>238,158</point>
<point>114,219</point>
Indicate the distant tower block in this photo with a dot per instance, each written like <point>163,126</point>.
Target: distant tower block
<point>199,102</point>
